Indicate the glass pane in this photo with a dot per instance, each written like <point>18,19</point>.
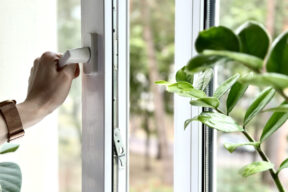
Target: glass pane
<point>69,119</point>
<point>151,108</point>
<point>49,154</point>
<point>273,15</point>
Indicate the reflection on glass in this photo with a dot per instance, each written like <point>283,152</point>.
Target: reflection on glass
<point>274,16</point>
<point>151,119</point>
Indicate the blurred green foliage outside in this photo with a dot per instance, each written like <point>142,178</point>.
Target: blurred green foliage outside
<point>229,180</point>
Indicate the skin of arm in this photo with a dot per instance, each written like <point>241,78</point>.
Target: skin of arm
<point>47,90</point>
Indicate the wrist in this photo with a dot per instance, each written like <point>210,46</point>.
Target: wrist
<point>30,113</point>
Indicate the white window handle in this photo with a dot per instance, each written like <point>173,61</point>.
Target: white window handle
<point>79,55</point>
<point>86,55</point>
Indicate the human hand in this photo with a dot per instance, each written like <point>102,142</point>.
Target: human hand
<point>48,86</point>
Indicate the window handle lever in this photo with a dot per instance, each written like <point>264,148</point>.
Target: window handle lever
<point>86,55</point>
<point>79,55</point>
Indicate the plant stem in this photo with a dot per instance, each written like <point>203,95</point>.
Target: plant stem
<point>282,94</point>
<point>264,157</point>
<point>218,110</point>
<point>273,174</point>
<point>261,153</point>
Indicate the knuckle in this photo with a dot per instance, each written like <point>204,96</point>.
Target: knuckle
<point>49,55</point>
<point>48,58</point>
<point>46,54</point>
<point>36,61</point>
<point>59,55</point>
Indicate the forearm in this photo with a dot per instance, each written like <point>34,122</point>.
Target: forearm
<point>30,114</point>
<point>47,90</point>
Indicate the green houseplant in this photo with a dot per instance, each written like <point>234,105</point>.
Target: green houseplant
<point>267,64</point>
<point>10,173</point>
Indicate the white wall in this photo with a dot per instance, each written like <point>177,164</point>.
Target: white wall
<point>28,28</point>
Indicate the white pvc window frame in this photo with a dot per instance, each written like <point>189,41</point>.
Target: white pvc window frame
<point>123,89</point>
<point>189,21</point>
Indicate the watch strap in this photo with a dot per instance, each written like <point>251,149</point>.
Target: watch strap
<point>12,118</point>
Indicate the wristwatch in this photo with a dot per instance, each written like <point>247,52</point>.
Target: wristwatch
<point>12,119</point>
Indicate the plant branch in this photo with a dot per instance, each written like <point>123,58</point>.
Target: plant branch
<point>281,92</point>
<point>218,110</point>
<point>264,157</point>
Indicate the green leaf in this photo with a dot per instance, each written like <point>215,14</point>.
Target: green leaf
<point>276,120</point>
<point>217,38</point>
<point>10,177</point>
<point>201,62</point>
<point>162,82</point>
<point>203,79</point>
<point>275,80</point>
<point>231,147</point>
<point>8,147</point>
<point>210,102</point>
<point>187,122</point>
<point>283,165</point>
<point>258,104</point>
<point>226,85</point>
<point>280,108</point>
<point>254,39</point>
<point>236,92</point>
<point>249,61</point>
<point>184,75</point>
<point>278,58</point>
<point>255,167</point>
<point>185,89</point>
<point>182,88</point>
<point>217,121</point>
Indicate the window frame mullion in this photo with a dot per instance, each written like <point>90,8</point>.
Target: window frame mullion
<point>188,173</point>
